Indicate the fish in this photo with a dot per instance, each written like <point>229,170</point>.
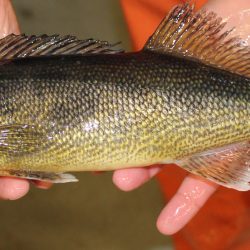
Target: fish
<point>71,105</point>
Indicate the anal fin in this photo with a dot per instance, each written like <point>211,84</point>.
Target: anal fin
<point>228,166</point>
<point>40,175</point>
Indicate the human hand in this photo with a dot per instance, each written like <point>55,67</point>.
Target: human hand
<point>12,188</point>
<point>194,191</point>
<point>187,201</point>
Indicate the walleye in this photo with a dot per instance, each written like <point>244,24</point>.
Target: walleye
<point>81,105</point>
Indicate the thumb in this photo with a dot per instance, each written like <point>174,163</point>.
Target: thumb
<point>8,21</point>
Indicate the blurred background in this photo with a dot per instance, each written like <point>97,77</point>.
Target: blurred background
<point>91,214</point>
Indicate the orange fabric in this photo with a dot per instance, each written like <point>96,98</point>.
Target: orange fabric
<point>224,222</point>
<point>143,16</point>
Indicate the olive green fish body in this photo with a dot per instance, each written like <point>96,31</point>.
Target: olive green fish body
<point>78,105</point>
<point>101,112</point>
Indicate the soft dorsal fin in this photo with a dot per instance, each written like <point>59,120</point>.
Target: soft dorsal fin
<point>200,35</point>
<point>14,46</point>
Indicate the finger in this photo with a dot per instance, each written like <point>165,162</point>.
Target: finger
<point>13,189</point>
<point>235,13</point>
<point>188,200</point>
<point>42,184</point>
<point>8,21</point>
<point>129,179</point>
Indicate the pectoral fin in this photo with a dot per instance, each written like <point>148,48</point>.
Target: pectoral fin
<point>228,166</point>
<point>17,140</point>
<point>39,175</point>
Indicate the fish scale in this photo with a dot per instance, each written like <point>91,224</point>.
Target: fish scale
<point>160,106</point>
<point>72,105</point>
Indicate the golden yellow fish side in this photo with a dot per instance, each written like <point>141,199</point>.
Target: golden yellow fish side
<point>151,137</point>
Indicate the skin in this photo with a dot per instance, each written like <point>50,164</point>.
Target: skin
<point>193,192</point>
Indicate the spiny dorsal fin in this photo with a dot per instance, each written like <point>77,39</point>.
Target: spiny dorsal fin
<point>14,46</point>
<point>200,35</point>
